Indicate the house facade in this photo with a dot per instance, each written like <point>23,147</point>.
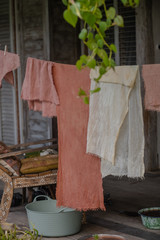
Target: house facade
<point>36,28</point>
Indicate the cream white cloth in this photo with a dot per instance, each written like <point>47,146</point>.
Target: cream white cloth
<point>115,127</point>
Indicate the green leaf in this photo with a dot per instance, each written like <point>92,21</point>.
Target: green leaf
<point>91,63</point>
<point>83,58</point>
<point>113,48</point>
<point>70,17</point>
<point>131,3</point>
<point>79,64</point>
<point>100,43</point>
<point>125,2</point>
<point>90,36</point>
<point>119,21</point>
<point>92,2</point>
<point>96,237</point>
<point>92,44</point>
<point>89,18</point>
<point>109,22</point>
<point>65,2</point>
<point>106,61</point>
<point>111,12</point>
<point>103,26</point>
<point>112,63</point>
<point>95,90</point>
<point>86,100</point>
<point>75,8</point>
<point>100,2</point>
<point>102,70</point>
<point>98,13</point>
<point>82,92</point>
<point>101,53</point>
<point>97,37</point>
<point>83,34</point>
<point>136,2</point>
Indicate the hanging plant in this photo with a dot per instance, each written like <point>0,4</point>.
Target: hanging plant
<point>97,20</point>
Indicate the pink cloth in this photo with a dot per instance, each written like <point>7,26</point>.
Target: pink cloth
<point>8,63</point>
<point>38,87</point>
<point>79,183</point>
<point>151,76</point>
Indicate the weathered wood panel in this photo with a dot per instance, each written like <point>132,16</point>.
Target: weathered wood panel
<point>33,43</point>
<point>65,47</point>
<point>8,129</point>
<point>145,55</point>
<point>64,44</point>
<point>156,37</point>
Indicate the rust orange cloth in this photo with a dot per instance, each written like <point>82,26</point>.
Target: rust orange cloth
<point>79,183</point>
<point>38,87</point>
<point>151,77</point>
<point>8,63</point>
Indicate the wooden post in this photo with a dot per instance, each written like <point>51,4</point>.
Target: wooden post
<point>145,55</point>
<point>7,195</point>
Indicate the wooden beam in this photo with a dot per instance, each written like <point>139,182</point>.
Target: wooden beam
<point>32,143</point>
<point>145,55</point>
<point>4,155</point>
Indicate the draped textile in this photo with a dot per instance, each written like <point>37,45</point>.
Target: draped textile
<point>115,128</point>
<point>38,87</point>
<point>79,183</point>
<point>151,77</point>
<point>8,63</point>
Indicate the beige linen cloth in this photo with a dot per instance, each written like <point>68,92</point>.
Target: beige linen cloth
<point>150,74</point>
<point>115,127</point>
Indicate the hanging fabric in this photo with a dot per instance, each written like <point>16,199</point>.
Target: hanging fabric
<point>115,128</point>
<point>38,87</point>
<point>8,63</point>
<point>150,74</point>
<point>79,183</point>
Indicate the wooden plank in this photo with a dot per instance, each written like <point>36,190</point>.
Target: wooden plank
<point>26,151</point>
<point>32,143</point>
<point>145,55</point>
<point>21,182</point>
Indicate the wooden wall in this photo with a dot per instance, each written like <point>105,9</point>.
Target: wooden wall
<point>42,33</point>
<point>64,43</point>
<point>145,55</point>
<point>32,41</point>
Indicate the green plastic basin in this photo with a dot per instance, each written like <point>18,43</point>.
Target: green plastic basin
<point>149,219</point>
<point>51,221</point>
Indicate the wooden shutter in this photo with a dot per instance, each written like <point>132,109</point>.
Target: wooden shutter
<point>7,95</point>
<point>33,41</point>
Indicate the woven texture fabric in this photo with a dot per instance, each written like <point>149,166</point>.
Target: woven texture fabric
<point>108,109</point>
<point>79,183</point>
<point>8,63</point>
<point>150,74</point>
<point>38,87</point>
<point>115,128</point>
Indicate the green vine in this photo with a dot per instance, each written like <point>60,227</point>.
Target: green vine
<point>97,20</point>
<point>15,234</point>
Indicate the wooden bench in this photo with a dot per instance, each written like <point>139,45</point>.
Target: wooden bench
<point>27,180</point>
